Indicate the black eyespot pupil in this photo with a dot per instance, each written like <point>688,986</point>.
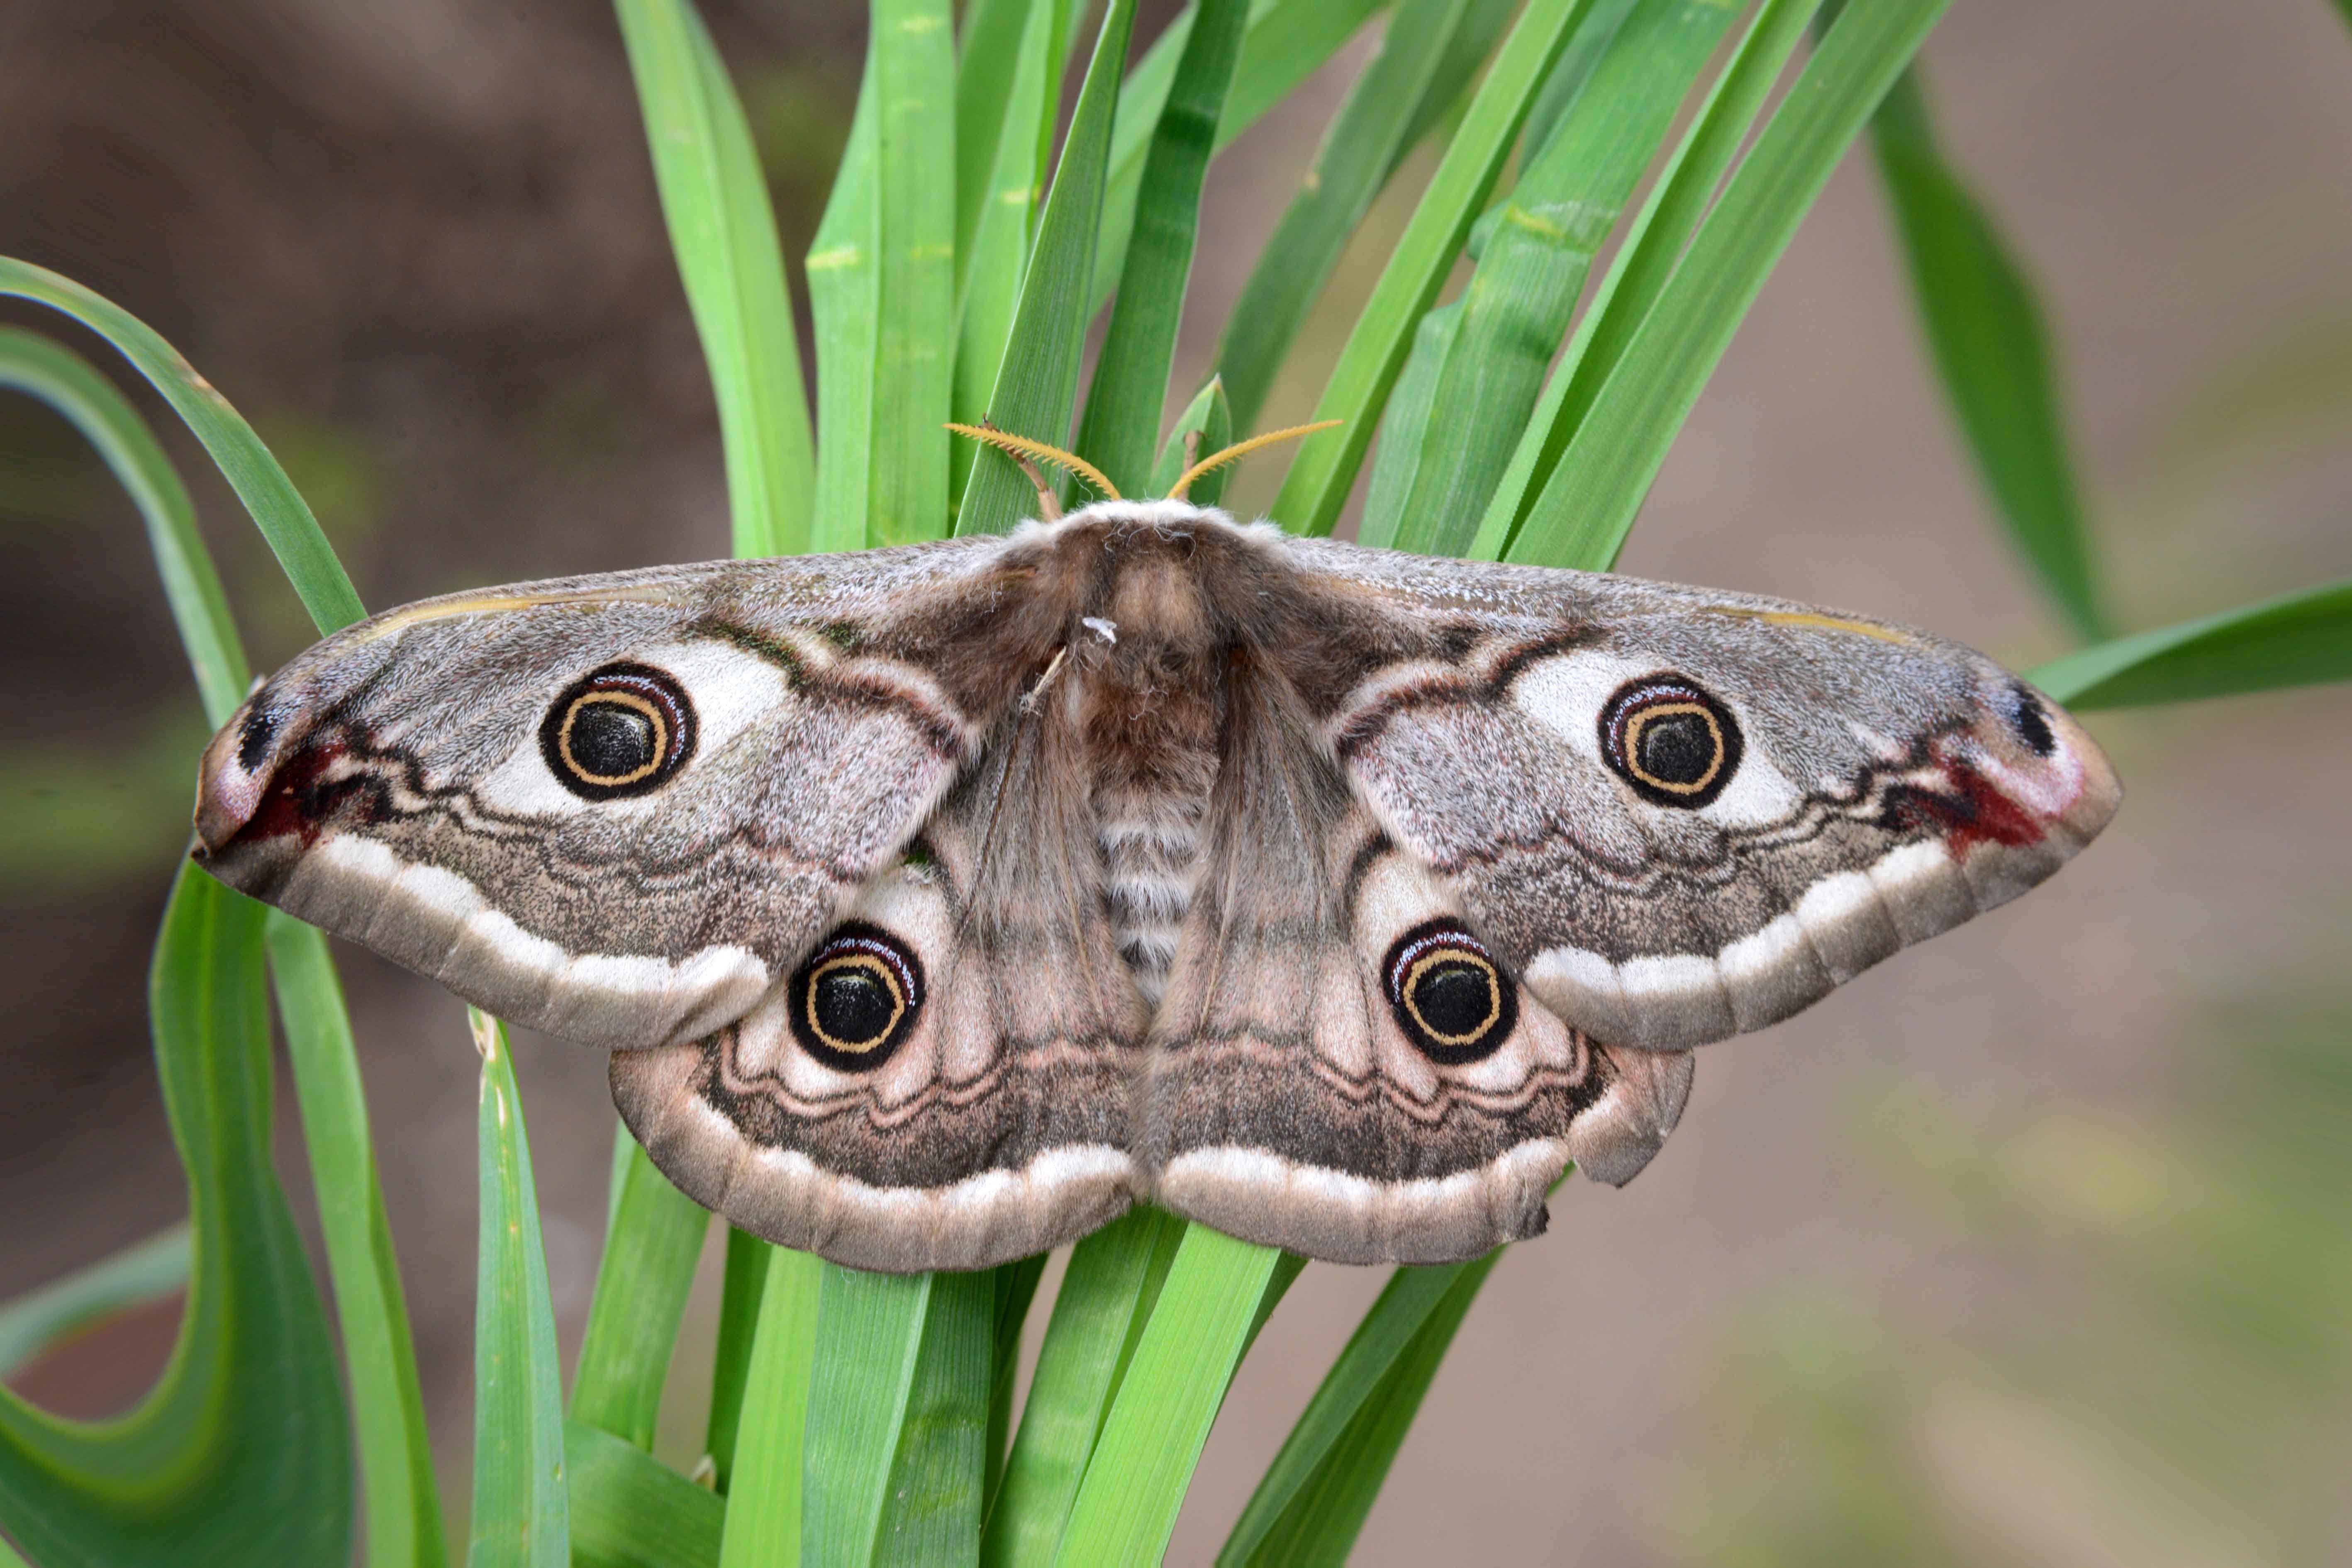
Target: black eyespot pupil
<point>2032,724</point>
<point>610,740</point>
<point>1455,998</point>
<point>1678,749</point>
<point>853,1005</point>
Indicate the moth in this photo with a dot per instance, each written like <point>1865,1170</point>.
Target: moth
<point>937,902</point>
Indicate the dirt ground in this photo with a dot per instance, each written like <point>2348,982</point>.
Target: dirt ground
<point>418,244</point>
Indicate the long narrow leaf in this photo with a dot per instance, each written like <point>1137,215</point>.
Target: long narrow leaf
<point>242,1451</point>
<point>1285,42</point>
<point>1993,356</point>
<point>65,381</point>
<point>871,1333</point>
<point>1107,1295</point>
<point>1175,1383</point>
<point>1645,260</point>
<point>1587,507</point>
<point>521,1510</point>
<point>1036,385</point>
<point>642,1283</point>
<point>1121,434</point>
<point>766,1481</point>
<point>631,1510</point>
<point>254,475</point>
<point>1317,484</point>
<point>1427,57</point>
<point>150,1271</point>
<point>843,282</point>
<point>724,231</point>
<point>913,53</point>
<point>2297,639</point>
<point>746,1271</point>
<point>1538,248</point>
<point>396,1449</point>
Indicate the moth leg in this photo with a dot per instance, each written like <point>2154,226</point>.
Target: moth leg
<point>1036,694</point>
<point>1049,503</point>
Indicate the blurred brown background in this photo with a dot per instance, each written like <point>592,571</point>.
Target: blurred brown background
<point>2031,1247</point>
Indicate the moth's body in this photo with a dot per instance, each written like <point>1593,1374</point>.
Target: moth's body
<point>938,901</point>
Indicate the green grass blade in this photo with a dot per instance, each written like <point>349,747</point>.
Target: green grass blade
<point>913,48</point>
<point>279,511</point>
<point>714,199</point>
<point>766,1481</point>
<point>988,56</point>
<point>1211,416</point>
<point>1016,1286</point>
<point>1036,384</point>
<point>844,296</point>
<point>739,1316</point>
<point>990,291</point>
<point>1313,1502</point>
<point>1589,505</point>
<point>897,1417</point>
<point>1428,56</point>
<point>241,1453</point>
<point>1645,260</point>
<point>642,1283</point>
<point>1121,433</point>
<point>395,1450</point>
<point>1174,1385</point>
<point>153,1269</point>
<point>520,1508</point>
<point>631,1510</point>
<point>1985,331</point>
<point>1107,1295</point>
<point>1316,485</point>
<point>1538,248</point>
<point>1405,428</point>
<point>1285,42</point>
<point>2297,639</point>
<point>65,381</point>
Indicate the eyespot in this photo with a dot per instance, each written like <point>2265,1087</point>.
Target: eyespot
<point>856,997</point>
<point>1449,995</point>
<point>1674,743</point>
<point>2031,720</point>
<point>622,730</point>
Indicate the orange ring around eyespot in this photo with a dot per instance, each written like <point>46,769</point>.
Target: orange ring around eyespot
<point>1411,987</point>
<point>866,961</point>
<point>645,706</point>
<point>1641,719</point>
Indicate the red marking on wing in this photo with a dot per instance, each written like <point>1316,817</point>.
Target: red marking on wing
<point>299,797</point>
<point>1970,810</point>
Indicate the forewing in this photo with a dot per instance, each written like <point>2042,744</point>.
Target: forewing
<point>411,783</point>
<point>1679,814</point>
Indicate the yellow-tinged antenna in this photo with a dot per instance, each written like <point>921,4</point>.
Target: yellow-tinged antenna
<point>1022,446</point>
<point>1243,449</point>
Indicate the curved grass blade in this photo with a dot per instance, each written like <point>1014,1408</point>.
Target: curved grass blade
<point>49,370</point>
<point>1285,42</point>
<point>522,1517</point>
<point>1107,1295</point>
<point>2297,639</point>
<point>642,1282</point>
<point>767,1478</point>
<point>1587,507</point>
<point>1016,1288</point>
<point>403,1500</point>
<point>842,283</point>
<point>724,231</point>
<point>1036,384</point>
<point>1985,331</point>
<point>149,1271</point>
<point>1316,487</point>
<point>1538,251</point>
<point>259,480</point>
<point>988,54</point>
<point>1645,260</point>
<point>1207,1313</point>
<point>1121,432</point>
<point>631,1510</point>
<point>1427,58</point>
<point>242,1451</point>
<point>745,1273</point>
<point>1314,1499</point>
<point>1211,417</point>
